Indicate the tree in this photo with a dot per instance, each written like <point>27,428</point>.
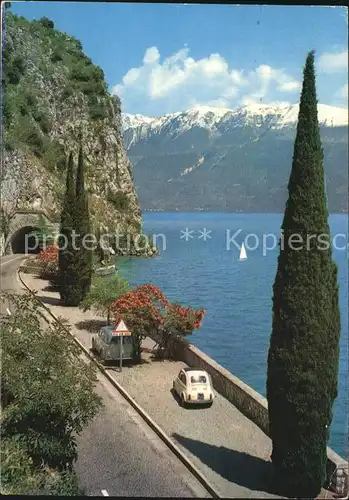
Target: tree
<point>83,228</point>
<point>46,22</point>
<point>19,477</point>
<point>104,291</point>
<point>68,277</point>
<point>47,389</point>
<point>147,312</point>
<point>304,343</point>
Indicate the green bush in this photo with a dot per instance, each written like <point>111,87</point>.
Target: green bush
<point>35,140</point>
<point>97,111</point>
<point>53,158</point>
<point>15,69</point>
<point>119,200</point>
<point>46,22</point>
<point>38,440</point>
<point>27,133</point>
<point>67,92</point>
<point>56,55</point>
<point>79,73</point>
<point>30,98</point>
<point>41,118</point>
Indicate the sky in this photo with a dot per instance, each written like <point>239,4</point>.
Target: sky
<point>164,58</point>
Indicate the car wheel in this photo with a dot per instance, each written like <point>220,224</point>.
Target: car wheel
<point>183,404</point>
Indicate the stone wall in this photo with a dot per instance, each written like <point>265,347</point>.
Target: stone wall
<point>252,404</point>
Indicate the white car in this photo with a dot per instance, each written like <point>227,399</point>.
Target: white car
<point>194,387</point>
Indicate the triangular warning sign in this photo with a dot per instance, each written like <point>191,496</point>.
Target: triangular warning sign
<point>121,327</point>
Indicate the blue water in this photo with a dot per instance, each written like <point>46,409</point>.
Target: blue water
<point>236,294</point>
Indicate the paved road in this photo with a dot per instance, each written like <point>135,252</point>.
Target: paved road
<point>119,455</point>
<point>8,277</point>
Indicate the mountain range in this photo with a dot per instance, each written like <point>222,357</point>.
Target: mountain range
<point>238,160</point>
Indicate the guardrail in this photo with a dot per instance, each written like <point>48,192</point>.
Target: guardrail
<point>160,433</point>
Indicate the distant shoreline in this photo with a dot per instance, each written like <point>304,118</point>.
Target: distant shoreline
<point>144,210</point>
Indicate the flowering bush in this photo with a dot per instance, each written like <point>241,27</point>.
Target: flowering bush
<point>147,311</point>
<point>48,259</point>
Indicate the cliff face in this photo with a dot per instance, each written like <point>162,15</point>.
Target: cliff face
<point>53,96</point>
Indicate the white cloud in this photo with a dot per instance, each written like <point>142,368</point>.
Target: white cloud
<point>151,56</point>
<point>332,62</point>
<point>179,81</point>
<point>289,86</point>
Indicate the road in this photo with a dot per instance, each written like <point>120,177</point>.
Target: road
<point>119,454</point>
<point>8,277</point>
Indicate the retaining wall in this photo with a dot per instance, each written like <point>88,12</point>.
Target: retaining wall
<point>252,404</point>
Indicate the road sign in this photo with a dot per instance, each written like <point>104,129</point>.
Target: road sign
<point>121,329</point>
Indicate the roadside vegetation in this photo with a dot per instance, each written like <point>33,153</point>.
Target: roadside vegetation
<point>103,293</point>
<point>47,399</point>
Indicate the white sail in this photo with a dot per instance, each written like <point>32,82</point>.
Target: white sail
<point>243,255</point>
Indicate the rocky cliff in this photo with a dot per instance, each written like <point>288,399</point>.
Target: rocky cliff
<point>53,97</point>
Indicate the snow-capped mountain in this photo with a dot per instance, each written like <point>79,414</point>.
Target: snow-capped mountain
<point>217,120</point>
<point>234,159</point>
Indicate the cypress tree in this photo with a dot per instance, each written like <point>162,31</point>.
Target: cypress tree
<point>67,271</point>
<point>83,227</point>
<point>304,345</point>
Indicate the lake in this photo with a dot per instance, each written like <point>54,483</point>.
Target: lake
<point>198,266</point>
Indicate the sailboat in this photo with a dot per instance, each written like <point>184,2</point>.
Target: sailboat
<point>243,255</point>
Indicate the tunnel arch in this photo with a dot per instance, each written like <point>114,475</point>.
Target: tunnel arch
<point>21,242</point>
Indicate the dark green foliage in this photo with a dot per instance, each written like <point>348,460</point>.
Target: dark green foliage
<point>44,122</point>
<point>97,111</point>
<point>47,23</point>
<point>47,399</point>
<point>68,277</point>
<point>304,344</point>
<point>83,227</point>
<point>67,92</point>
<point>54,157</point>
<point>119,200</point>
<point>57,55</point>
<point>14,70</point>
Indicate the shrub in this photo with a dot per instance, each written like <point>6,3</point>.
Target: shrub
<point>48,259</point>
<point>54,157</point>
<point>97,112</point>
<point>67,92</point>
<point>119,200</point>
<point>103,293</point>
<point>15,70</point>
<point>36,142</point>
<point>41,118</point>
<point>49,396</point>
<point>56,55</point>
<point>47,23</point>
